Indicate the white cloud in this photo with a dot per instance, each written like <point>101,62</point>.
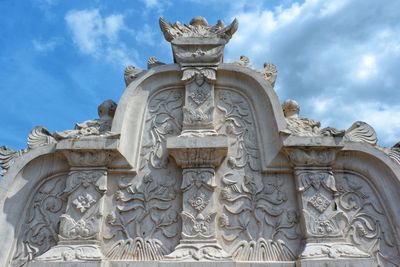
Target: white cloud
<point>337,58</point>
<point>98,36</point>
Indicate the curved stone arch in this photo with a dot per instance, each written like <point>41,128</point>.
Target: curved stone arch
<point>16,186</point>
<point>382,174</point>
<point>262,97</point>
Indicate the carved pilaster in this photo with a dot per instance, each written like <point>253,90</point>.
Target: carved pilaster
<point>80,230</point>
<point>321,218</point>
<point>198,157</point>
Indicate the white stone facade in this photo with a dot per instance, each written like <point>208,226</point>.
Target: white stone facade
<point>200,165</point>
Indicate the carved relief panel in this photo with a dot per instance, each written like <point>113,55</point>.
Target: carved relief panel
<point>259,217</point>
<point>366,223</point>
<point>144,223</point>
<point>39,230</point>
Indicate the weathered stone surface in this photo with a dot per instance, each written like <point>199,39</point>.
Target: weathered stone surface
<point>200,165</point>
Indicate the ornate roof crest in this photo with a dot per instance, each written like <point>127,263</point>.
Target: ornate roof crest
<point>197,43</point>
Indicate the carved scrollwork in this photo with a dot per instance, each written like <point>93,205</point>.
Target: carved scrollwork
<point>164,119</point>
<point>40,228</point>
<point>237,122</point>
<point>367,224</point>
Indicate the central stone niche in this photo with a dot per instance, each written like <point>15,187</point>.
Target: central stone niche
<point>200,165</point>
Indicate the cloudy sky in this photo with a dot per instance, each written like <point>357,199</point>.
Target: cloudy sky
<point>59,59</point>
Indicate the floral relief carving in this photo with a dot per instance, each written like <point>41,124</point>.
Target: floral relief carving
<point>236,121</point>
<point>319,202</point>
<point>367,224</point>
<point>199,202</point>
<point>40,228</point>
<point>255,225</point>
<point>256,210</point>
<point>83,202</point>
<point>144,214</point>
<point>164,119</point>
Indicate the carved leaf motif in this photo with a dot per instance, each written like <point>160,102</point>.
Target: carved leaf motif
<point>39,231</point>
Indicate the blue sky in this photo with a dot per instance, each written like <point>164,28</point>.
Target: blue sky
<point>60,59</point>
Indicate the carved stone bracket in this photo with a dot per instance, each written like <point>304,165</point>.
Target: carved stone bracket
<point>80,226</point>
<point>321,219</point>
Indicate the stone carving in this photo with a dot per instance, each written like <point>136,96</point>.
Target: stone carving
<point>243,61</point>
<point>236,121</point>
<point>367,223</point>
<point>255,207</point>
<point>84,202</point>
<point>164,119</point>
<point>394,152</point>
<point>200,189</point>
<point>148,210</point>
<point>130,74</point>
<point>40,227</point>
<point>7,158</point>
<point>101,126</point>
<point>303,126</point>
<point>145,224</point>
<point>40,136</point>
<point>253,217</point>
<point>198,27</point>
<point>361,132</point>
<point>269,72</point>
<point>323,221</point>
<point>153,62</point>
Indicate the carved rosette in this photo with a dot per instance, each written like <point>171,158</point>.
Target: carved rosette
<point>80,233</point>
<point>322,220</point>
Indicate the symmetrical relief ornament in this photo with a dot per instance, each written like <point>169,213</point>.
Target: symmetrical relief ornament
<point>145,222</point>
<point>256,219</point>
<point>198,28</point>
<point>366,222</point>
<point>39,230</point>
<point>80,229</point>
